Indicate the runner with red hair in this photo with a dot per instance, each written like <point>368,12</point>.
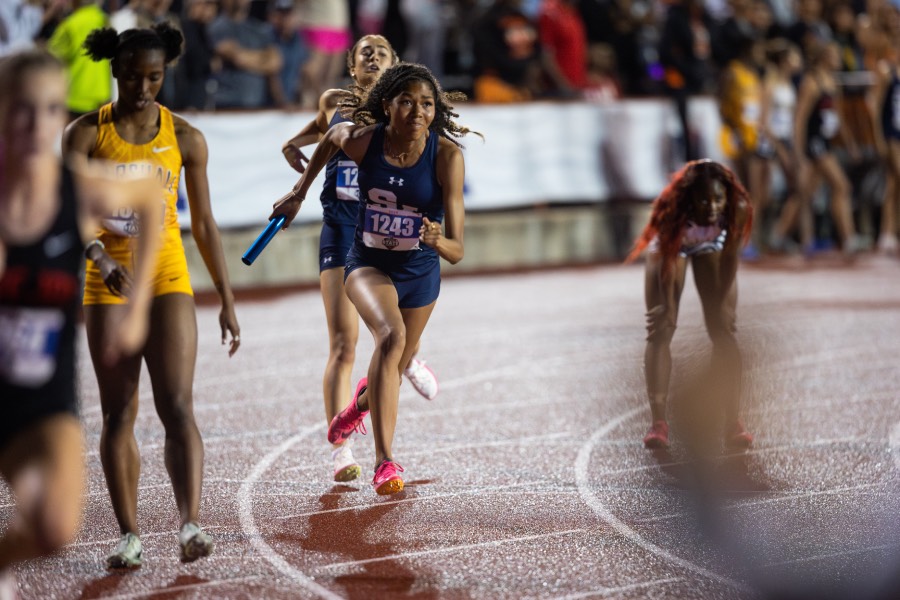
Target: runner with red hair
<point>704,215</point>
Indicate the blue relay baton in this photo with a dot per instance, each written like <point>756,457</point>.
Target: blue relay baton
<point>263,240</point>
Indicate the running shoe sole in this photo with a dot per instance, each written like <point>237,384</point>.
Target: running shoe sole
<point>348,473</point>
<point>390,487</point>
<point>199,546</point>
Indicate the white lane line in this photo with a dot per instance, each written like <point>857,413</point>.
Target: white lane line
<point>894,444</point>
<point>182,588</point>
<point>248,522</point>
<point>475,490</point>
<point>582,462</point>
<point>406,555</point>
<point>551,437</point>
<point>834,554</point>
<point>213,439</point>
<point>784,498</point>
<point>620,589</point>
<point>146,394</point>
<point>754,451</point>
<point>548,365</point>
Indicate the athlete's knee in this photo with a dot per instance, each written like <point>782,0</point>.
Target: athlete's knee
<point>343,348</point>
<point>391,339</point>
<point>176,411</point>
<point>120,417</point>
<point>660,325</point>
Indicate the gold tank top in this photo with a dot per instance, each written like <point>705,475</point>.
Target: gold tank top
<point>160,157</point>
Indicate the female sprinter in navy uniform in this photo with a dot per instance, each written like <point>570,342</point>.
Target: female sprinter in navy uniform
<point>410,214</point>
<point>885,110</point>
<point>703,216</point>
<point>47,210</point>
<point>132,131</point>
<point>366,61</point>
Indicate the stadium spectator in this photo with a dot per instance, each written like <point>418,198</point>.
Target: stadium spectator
<point>90,83</point>
<point>508,57</point>
<point>133,14</point>
<point>326,32</point>
<point>685,55</point>
<point>737,26</point>
<point>194,83</point>
<point>635,41</point>
<point>20,23</point>
<point>426,32</point>
<point>249,54</point>
<point>564,40</point>
<point>809,30</point>
<point>286,88</point>
<point>602,81</point>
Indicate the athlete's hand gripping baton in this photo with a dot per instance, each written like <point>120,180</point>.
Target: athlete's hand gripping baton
<point>263,240</point>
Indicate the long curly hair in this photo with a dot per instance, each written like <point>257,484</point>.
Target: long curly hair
<point>672,208</point>
<point>367,107</point>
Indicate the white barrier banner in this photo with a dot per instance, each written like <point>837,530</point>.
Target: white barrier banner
<point>532,153</point>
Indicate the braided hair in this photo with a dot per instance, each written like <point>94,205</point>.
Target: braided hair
<point>672,209</point>
<point>366,107</point>
<point>106,43</point>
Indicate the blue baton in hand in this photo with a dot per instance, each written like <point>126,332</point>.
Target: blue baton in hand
<point>263,240</point>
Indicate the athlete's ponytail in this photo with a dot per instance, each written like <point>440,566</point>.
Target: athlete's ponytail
<point>102,44</point>
<point>106,44</point>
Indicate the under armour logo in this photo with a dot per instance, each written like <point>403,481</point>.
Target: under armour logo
<point>399,181</point>
<point>327,260</point>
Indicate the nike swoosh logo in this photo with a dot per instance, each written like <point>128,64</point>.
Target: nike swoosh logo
<point>163,149</point>
<point>56,245</point>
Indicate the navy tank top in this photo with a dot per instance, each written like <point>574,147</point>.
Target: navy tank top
<point>40,294</point>
<point>890,110</point>
<point>824,120</point>
<point>393,202</point>
<point>340,192</point>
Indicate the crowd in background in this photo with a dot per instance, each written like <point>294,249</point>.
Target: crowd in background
<point>254,54</point>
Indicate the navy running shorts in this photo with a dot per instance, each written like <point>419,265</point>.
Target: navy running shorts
<point>416,287</point>
<point>334,243</point>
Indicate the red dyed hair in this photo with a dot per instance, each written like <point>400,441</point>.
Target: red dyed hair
<point>672,208</point>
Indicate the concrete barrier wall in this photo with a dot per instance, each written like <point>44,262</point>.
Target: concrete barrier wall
<point>521,239</point>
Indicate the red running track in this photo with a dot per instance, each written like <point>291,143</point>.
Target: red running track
<point>526,477</point>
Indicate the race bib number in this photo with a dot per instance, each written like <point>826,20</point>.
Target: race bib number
<point>124,223</point>
<point>29,339</point>
<point>347,187</point>
<point>127,223</point>
<point>391,228</point>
